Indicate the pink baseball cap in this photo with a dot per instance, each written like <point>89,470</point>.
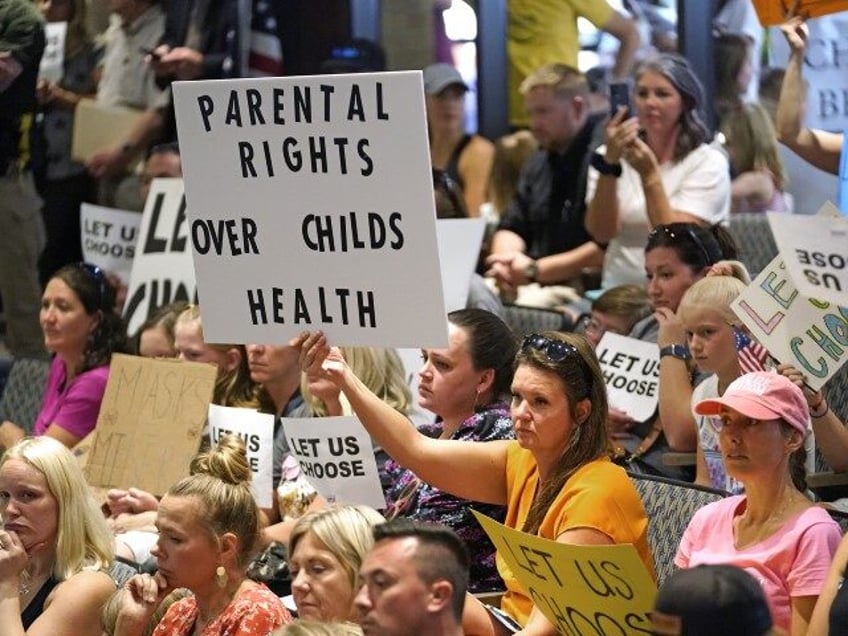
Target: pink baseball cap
<point>762,395</point>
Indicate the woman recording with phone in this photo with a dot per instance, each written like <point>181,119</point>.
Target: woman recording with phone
<point>654,168</point>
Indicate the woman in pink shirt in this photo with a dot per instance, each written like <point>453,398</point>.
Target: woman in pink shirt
<point>773,531</point>
<point>83,331</point>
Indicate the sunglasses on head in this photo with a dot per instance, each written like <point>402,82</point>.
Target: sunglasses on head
<point>99,278</point>
<point>555,350</point>
<point>675,230</point>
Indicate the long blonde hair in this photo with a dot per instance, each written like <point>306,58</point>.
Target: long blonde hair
<point>83,540</point>
<point>750,131</point>
<point>381,370</point>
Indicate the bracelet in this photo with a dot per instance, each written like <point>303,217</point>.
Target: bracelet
<point>820,409</point>
<point>652,182</point>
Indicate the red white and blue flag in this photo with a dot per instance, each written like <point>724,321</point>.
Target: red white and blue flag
<point>265,54</point>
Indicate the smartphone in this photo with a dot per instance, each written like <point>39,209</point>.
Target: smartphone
<point>619,95</point>
<point>148,51</point>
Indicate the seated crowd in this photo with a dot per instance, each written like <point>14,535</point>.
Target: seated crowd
<point>517,426</point>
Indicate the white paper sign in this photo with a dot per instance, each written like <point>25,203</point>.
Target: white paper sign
<point>52,65</point>
<point>459,249</point>
<point>257,431</point>
<point>815,250</point>
<point>162,270</point>
<point>108,238</point>
<point>311,207</point>
<point>336,456</point>
<point>824,69</point>
<point>809,334</point>
<point>631,370</point>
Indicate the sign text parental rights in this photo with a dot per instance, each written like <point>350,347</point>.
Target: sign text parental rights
<point>311,207</point>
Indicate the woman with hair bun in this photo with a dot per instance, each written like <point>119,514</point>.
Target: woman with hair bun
<point>208,533</point>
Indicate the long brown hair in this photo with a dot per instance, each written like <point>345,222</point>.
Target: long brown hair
<point>581,379</point>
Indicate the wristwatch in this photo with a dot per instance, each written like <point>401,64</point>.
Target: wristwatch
<point>675,351</point>
<point>531,271</point>
<point>600,164</point>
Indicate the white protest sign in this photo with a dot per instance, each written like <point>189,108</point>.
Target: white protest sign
<point>52,65</point>
<point>336,456</point>
<point>108,238</point>
<point>815,250</point>
<point>824,69</point>
<point>162,271</point>
<point>631,370</point>
<point>811,335</point>
<point>257,431</point>
<point>311,207</point>
<point>459,249</point>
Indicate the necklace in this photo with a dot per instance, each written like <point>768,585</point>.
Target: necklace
<point>748,533</point>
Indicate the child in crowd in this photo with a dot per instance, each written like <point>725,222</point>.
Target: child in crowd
<point>617,310</point>
<point>713,334</point>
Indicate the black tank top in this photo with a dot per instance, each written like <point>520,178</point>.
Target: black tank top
<point>36,605</point>
<point>839,611</point>
<point>452,166</point>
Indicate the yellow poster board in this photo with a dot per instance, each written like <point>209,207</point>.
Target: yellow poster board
<point>150,423</point>
<point>581,589</point>
<point>774,12</point>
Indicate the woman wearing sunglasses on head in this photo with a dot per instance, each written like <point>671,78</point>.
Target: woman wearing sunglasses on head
<point>82,330</point>
<point>554,479</point>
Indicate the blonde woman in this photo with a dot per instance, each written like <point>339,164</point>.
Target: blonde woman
<point>208,532</point>
<point>751,143</point>
<point>55,547</point>
<point>326,550</point>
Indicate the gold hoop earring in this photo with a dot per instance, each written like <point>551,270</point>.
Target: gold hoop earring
<point>221,576</point>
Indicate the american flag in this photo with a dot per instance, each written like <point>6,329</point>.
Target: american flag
<point>751,354</point>
<point>265,55</point>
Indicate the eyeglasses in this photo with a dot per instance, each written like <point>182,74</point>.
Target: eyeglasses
<point>590,324</point>
<point>99,279</point>
<point>679,230</point>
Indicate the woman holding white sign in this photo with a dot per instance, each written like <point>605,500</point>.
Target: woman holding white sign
<point>555,479</point>
<point>773,531</point>
<point>82,330</point>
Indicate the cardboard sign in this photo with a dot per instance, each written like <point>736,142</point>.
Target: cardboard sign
<point>98,127</point>
<point>162,271</point>
<point>459,249</point>
<point>815,250</point>
<point>52,65</point>
<point>581,589</point>
<point>311,207</point>
<point>810,334</point>
<point>631,371</point>
<point>336,456</point>
<point>108,238</point>
<point>773,12</point>
<point>824,65</point>
<point>257,431</point>
<point>150,422</point>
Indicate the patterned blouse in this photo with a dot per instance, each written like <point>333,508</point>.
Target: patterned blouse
<point>408,496</point>
<point>256,611</point>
